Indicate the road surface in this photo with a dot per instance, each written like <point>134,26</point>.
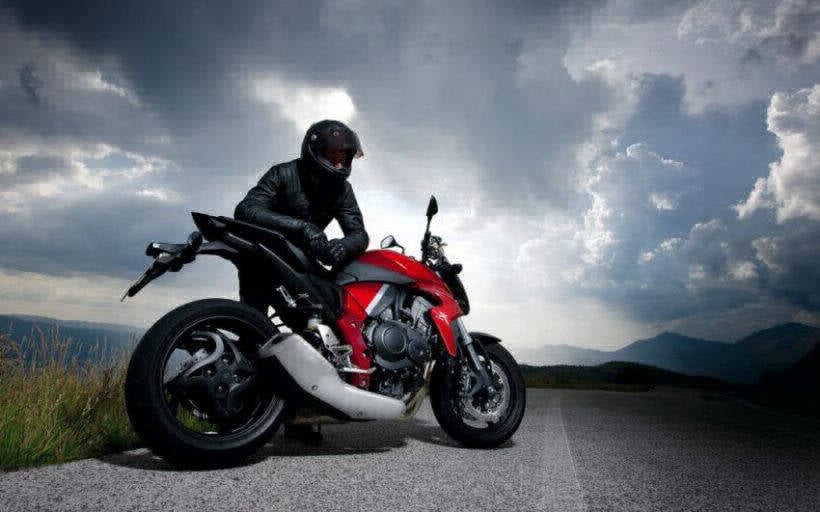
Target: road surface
<point>576,450</point>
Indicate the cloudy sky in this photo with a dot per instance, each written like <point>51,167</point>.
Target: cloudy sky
<point>605,170</point>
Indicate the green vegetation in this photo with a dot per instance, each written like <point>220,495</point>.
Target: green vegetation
<point>615,376</point>
<point>56,408</point>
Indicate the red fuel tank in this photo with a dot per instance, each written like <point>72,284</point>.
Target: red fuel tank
<point>397,262</point>
<point>420,277</point>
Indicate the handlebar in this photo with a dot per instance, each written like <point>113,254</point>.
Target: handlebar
<point>167,257</point>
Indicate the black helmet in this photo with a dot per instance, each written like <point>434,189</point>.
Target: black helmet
<point>329,134</point>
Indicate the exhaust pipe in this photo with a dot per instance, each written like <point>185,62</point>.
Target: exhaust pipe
<point>318,378</point>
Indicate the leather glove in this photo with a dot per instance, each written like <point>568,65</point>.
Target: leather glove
<point>314,239</point>
<point>335,253</point>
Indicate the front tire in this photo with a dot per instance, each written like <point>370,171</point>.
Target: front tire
<point>463,422</point>
<point>170,421</point>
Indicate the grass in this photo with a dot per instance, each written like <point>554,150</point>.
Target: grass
<point>55,409</point>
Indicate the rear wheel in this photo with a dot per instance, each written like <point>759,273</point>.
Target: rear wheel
<point>193,391</point>
<point>479,421</point>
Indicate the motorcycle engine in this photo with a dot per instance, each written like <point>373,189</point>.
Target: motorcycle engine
<point>401,346</point>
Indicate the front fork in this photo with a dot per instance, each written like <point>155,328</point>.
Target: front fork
<point>468,344</point>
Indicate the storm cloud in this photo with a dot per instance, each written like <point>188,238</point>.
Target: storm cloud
<point>644,159</point>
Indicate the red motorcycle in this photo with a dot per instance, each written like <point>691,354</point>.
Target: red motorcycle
<point>213,380</point>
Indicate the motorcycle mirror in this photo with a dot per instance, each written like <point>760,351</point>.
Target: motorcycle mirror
<point>388,242</point>
<point>432,207</point>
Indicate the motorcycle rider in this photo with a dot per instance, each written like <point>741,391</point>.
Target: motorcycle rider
<point>299,198</point>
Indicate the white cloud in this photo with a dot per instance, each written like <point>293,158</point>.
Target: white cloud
<point>640,152</point>
<point>646,257</point>
<point>662,201</point>
<point>670,244</point>
<point>704,229</point>
<point>743,271</point>
<point>65,78</point>
<point>728,52</point>
<point>789,27</point>
<point>616,184</point>
<point>792,188</point>
<point>759,198</point>
<point>302,103</point>
<point>553,259</point>
<point>69,168</point>
<point>160,194</point>
<point>608,245</point>
<point>624,88</point>
<point>767,250</point>
<point>595,236</point>
<point>93,81</point>
<point>697,272</point>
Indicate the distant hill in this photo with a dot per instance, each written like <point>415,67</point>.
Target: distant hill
<point>796,389</point>
<point>615,376</point>
<point>88,341</point>
<point>44,320</point>
<point>744,361</point>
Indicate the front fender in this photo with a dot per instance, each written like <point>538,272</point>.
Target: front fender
<point>484,338</point>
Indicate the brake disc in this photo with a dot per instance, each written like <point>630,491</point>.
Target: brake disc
<point>491,409</point>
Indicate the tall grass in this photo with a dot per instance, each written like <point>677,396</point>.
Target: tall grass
<point>54,408</point>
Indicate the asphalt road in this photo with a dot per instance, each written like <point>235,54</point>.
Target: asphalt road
<point>576,450</point>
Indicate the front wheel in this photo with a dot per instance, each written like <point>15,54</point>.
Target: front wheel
<point>479,421</point>
<point>193,391</point>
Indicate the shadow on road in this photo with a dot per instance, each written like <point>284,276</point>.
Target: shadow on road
<point>339,440</point>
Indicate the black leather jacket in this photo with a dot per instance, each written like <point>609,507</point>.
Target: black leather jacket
<point>286,198</point>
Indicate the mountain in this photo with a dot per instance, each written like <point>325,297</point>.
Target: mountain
<point>781,345</point>
<point>743,361</point>
<point>565,354</point>
<point>796,389</point>
<point>39,337</point>
<point>44,320</point>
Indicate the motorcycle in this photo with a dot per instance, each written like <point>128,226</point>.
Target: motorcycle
<point>212,380</point>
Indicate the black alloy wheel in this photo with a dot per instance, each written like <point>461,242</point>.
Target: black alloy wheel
<point>481,420</point>
<point>194,392</point>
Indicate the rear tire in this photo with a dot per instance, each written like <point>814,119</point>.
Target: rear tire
<point>146,399</point>
<point>444,389</point>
